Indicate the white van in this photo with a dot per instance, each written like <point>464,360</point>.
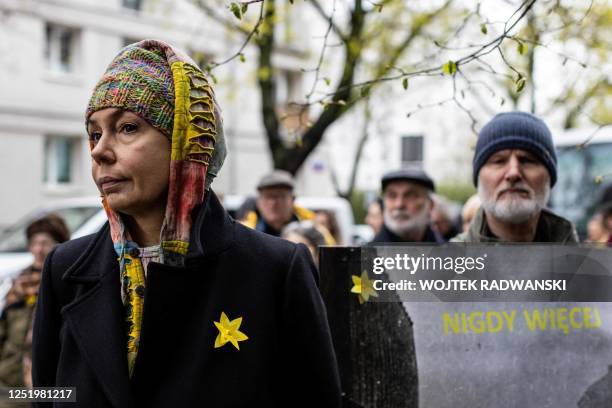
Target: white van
<point>584,171</point>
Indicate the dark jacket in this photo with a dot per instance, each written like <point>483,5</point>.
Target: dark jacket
<point>385,235</point>
<point>551,228</point>
<point>288,359</point>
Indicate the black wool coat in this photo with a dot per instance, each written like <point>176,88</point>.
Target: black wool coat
<point>287,361</point>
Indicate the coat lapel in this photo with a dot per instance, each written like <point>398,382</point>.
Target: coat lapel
<point>96,318</point>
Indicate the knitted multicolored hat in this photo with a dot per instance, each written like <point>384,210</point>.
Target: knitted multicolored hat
<point>139,80</point>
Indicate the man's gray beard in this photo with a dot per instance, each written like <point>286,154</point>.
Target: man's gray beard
<point>516,210</point>
<point>410,227</point>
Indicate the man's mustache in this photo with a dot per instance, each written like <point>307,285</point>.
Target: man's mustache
<point>518,188</point>
<point>400,213</point>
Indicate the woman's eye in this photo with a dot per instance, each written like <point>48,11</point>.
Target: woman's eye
<point>95,136</point>
<point>129,128</point>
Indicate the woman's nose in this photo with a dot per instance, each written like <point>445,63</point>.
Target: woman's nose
<point>102,151</point>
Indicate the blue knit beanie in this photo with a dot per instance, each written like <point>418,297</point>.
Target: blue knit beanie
<point>516,130</point>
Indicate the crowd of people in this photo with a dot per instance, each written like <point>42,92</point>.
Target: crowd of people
<point>514,170</point>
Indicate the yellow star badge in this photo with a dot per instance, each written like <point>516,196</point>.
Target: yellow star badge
<point>363,287</point>
<point>228,331</point>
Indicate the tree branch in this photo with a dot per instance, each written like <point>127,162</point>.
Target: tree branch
<point>317,6</point>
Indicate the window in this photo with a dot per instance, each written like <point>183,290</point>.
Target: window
<point>412,151</point>
<point>61,48</point>
<point>59,159</point>
<point>132,4</point>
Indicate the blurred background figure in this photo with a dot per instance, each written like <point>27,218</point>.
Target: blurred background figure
<point>248,206</point>
<point>374,217</point>
<point>596,231</point>
<point>327,220</point>
<point>469,210</point>
<point>606,214</point>
<point>16,319</point>
<point>407,207</point>
<point>275,204</point>
<point>444,215</point>
<point>307,233</point>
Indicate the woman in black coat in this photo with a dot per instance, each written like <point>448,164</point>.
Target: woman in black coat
<point>172,303</point>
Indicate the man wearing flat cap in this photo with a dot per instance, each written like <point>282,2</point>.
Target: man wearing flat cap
<point>275,204</point>
<point>407,205</point>
<point>514,169</point>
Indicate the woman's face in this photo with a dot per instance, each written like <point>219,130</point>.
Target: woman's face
<point>131,161</point>
<point>40,244</point>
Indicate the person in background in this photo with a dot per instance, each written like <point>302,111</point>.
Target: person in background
<point>17,315</point>
<point>327,220</point>
<point>407,205</point>
<point>596,231</point>
<point>275,204</point>
<point>469,210</point>
<point>374,217</point>
<point>307,233</point>
<point>514,169</point>
<point>443,218</point>
<point>249,204</point>
<point>606,220</point>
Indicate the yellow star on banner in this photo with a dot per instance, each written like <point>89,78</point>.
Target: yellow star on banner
<point>363,287</point>
<point>228,331</point>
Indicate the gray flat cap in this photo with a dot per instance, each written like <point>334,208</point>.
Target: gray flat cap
<point>278,178</point>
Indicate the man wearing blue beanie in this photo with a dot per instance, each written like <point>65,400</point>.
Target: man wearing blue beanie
<point>514,169</point>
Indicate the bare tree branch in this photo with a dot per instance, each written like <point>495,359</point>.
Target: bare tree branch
<point>317,6</point>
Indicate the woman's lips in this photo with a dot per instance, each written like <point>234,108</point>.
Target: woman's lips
<point>110,184</point>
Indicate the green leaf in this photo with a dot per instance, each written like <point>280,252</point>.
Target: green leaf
<point>242,57</point>
<point>450,68</point>
<point>520,85</point>
<point>405,83</point>
<point>291,1</point>
<point>483,28</point>
<point>243,8</point>
<point>263,73</point>
<point>235,8</point>
<point>214,78</point>
<point>327,81</point>
<point>365,91</point>
<point>522,48</point>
